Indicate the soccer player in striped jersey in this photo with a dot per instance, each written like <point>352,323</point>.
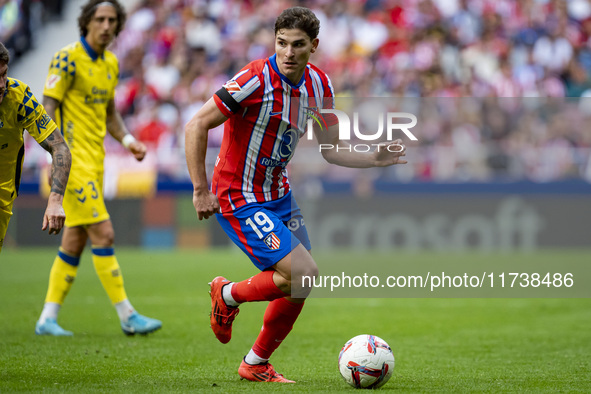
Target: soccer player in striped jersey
<point>79,93</point>
<point>264,108</point>
<point>19,111</point>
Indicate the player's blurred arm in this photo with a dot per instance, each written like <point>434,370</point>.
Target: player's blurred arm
<point>116,127</point>
<point>50,104</point>
<point>61,161</point>
<point>209,116</point>
<point>340,153</point>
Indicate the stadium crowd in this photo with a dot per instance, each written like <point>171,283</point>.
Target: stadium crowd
<point>174,54</point>
<point>20,21</point>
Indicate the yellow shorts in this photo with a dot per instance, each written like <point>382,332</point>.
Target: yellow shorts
<point>83,201</point>
<point>5,214</point>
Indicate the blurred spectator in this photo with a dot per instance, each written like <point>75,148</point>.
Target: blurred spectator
<point>13,28</point>
<point>553,51</point>
<point>577,80</point>
<point>53,9</point>
<point>21,20</point>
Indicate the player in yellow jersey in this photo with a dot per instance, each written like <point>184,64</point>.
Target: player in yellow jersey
<point>19,110</point>
<point>79,93</point>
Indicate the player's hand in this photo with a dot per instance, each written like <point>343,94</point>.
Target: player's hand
<point>54,217</point>
<point>206,204</point>
<point>390,153</point>
<point>138,149</point>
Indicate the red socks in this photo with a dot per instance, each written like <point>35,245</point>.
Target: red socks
<point>279,318</point>
<point>258,288</point>
<point>280,315</point>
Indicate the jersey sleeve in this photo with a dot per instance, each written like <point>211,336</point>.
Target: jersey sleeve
<point>62,71</point>
<point>33,118</point>
<point>238,92</point>
<point>329,102</point>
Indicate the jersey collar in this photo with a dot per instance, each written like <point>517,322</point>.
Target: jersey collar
<point>91,52</point>
<point>273,61</point>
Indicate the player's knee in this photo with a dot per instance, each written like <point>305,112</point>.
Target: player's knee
<point>107,237</point>
<point>301,285</point>
<point>73,247</point>
<point>311,271</point>
<point>305,268</point>
<point>308,277</point>
<point>303,273</point>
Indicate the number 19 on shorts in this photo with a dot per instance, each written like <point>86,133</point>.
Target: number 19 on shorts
<point>261,222</point>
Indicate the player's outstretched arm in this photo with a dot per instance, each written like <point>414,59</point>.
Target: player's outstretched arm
<point>116,127</point>
<point>61,162</point>
<point>383,155</point>
<point>209,116</point>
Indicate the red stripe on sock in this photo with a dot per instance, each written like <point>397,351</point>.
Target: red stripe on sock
<point>257,288</point>
<point>279,318</point>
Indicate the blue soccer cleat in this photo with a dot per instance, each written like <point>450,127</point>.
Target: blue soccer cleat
<point>50,327</point>
<point>138,324</point>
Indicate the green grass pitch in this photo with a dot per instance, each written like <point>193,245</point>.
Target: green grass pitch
<point>440,345</point>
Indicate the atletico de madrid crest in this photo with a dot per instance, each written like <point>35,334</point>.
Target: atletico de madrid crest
<point>272,241</point>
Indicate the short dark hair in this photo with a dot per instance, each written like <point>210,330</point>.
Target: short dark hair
<point>88,10</point>
<point>4,54</point>
<point>298,18</point>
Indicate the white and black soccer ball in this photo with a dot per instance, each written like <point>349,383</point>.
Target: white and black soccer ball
<point>366,362</point>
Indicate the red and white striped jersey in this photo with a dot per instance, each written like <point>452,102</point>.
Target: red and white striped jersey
<point>267,116</point>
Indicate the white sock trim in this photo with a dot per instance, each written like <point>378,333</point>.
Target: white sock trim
<point>50,311</point>
<point>227,295</point>
<point>252,358</point>
<point>124,310</point>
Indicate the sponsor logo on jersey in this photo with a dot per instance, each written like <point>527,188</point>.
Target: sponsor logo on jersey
<point>43,122</point>
<point>289,141</point>
<point>232,86</point>
<point>268,162</point>
<point>272,241</point>
<point>52,80</point>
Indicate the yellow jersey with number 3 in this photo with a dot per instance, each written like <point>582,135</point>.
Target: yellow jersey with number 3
<point>19,111</point>
<point>84,83</point>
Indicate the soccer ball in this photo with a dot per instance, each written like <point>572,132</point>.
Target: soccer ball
<point>366,361</point>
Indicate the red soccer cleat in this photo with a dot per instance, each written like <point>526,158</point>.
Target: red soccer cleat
<point>261,373</point>
<point>222,316</point>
